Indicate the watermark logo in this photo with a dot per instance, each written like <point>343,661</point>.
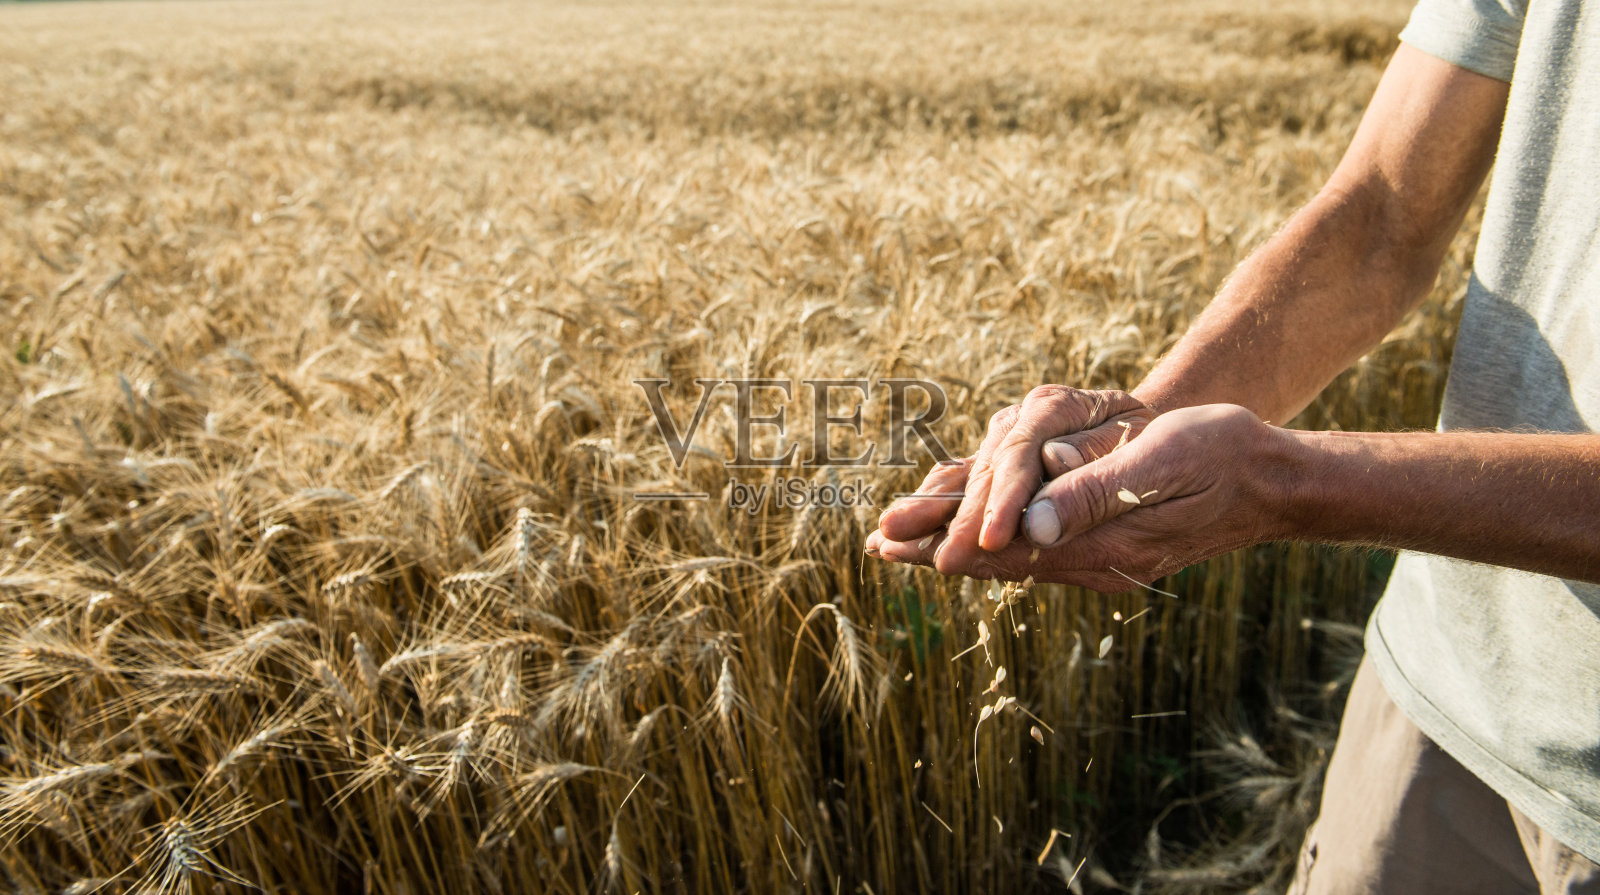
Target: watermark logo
<point>912,407</point>
<point>795,492</point>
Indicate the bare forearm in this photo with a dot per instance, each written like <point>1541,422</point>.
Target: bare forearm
<point>1527,501</point>
<point>1349,265</point>
<point>1308,304</point>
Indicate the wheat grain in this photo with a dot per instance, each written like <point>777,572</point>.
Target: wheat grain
<point>402,479</point>
<point>725,699</point>
<point>253,745</point>
<point>371,678</point>
<point>335,688</point>
<point>195,682</point>
<point>612,860</point>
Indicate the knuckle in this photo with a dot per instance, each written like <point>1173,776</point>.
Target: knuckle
<point>1054,400</point>
<point>1017,450</point>
<point>980,477</point>
<point>1005,417</point>
<point>942,472</point>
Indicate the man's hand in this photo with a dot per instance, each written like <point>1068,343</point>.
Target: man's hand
<point>1054,430</point>
<point>1317,296</point>
<point>1198,482</point>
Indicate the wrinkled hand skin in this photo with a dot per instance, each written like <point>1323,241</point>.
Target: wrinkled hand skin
<point>1017,456</point>
<point>1219,477</point>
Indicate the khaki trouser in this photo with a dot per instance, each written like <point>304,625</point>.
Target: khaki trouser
<point>1400,816</point>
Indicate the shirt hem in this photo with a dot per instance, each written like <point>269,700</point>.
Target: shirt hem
<point>1550,810</point>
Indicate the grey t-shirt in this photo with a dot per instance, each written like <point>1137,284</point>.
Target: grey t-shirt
<point>1502,668</point>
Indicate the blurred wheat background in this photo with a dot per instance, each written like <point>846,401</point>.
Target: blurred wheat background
<point>319,569</point>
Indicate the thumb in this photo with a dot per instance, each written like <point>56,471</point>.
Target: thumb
<point>1061,455</point>
<point>1084,498</point>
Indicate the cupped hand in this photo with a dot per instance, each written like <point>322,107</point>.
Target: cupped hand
<point>981,499</point>
<point>1198,482</point>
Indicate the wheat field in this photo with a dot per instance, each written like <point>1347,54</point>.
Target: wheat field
<point>320,565</point>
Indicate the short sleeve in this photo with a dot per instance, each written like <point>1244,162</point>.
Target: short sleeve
<point>1478,35</point>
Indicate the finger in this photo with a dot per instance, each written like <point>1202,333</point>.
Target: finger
<point>918,552</point>
<point>1012,564</point>
<point>874,542</point>
<point>1082,562</point>
<point>965,527</point>
<point>1091,495</point>
<point>1049,411</point>
<point>931,507</point>
<point>1064,454</point>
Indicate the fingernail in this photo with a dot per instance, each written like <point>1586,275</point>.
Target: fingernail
<point>872,551</point>
<point>1066,455</point>
<point>988,520</point>
<point>1042,523</point>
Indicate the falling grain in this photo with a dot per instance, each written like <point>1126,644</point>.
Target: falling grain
<point>936,817</point>
<point>1049,844</point>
